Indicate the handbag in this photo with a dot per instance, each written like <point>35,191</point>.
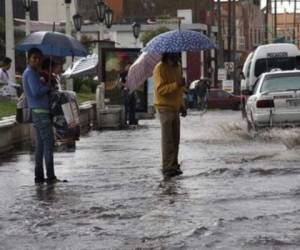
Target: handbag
<point>23,112</point>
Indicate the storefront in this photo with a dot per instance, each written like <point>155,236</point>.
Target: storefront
<point>116,61</point>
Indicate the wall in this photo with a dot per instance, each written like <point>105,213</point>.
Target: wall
<point>285,26</point>
<point>54,10</point>
<point>13,134</point>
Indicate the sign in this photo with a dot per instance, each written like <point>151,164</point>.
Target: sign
<point>222,74</point>
<point>229,66</point>
<point>277,54</point>
<point>227,85</point>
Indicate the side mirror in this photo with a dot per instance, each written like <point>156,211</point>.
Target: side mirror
<point>242,76</point>
<point>247,92</point>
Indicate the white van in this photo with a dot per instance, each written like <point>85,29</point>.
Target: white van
<point>246,71</point>
<point>284,56</point>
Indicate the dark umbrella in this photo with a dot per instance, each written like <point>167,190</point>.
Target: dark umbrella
<point>53,43</point>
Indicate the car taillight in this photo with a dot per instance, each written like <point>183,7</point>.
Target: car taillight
<point>265,104</point>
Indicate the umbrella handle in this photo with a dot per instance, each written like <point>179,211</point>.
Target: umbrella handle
<point>50,72</point>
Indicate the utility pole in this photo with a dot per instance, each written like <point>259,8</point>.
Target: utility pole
<point>68,32</point>
<point>220,37</point>
<point>234,44</point>
<point>294,25</point>
<point>229,31</point>
<point>267,21</point>
<point>275,20</point>
<point>9,37</point>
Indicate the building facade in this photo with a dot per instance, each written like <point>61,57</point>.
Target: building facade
<point>18,10</point>
<point>249,28</point>
<point>288,28</point>
<point>54,10</point>
<point>125,11</point>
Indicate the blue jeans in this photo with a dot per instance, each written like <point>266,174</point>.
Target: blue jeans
<point>44,144</point>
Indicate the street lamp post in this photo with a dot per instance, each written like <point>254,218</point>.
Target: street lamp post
<point>77,19</point>
<point>136,29</point>
<point>27,7</point>
<point>69,82</point>
<point>100,11</point>
<point>104,15</point>
<point>9,36</point>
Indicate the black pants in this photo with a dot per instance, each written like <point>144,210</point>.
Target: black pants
<point>132,109</point>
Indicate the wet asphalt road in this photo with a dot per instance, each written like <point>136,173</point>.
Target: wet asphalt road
<point>237,192</point>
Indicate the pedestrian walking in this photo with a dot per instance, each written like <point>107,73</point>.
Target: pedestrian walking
<point>37,94</point>
<point>168,100</point>
<point>201,90</point>
<point>8,87</point>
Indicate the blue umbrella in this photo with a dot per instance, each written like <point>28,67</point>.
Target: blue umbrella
<point>177,41</point>
<point>53,43</point>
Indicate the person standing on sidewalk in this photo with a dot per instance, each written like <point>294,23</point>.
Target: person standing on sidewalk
<point>129,98</point>
<point>37,94</point>
<point>168,100</point>
<point>9,88</point>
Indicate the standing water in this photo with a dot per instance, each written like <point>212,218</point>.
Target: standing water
<point>237,191</point>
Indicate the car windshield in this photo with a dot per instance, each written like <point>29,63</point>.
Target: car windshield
<point>266,64</point>
<point>281,83</point>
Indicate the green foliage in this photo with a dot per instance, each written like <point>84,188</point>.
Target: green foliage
<point>87,41</point>
<point>7,108</point>
<point>83,97</point>
<point>85,85</point>
<point>148,35</point>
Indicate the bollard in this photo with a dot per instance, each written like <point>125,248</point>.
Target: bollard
<point>100,105</point>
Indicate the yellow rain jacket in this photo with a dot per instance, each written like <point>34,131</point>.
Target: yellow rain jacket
<point>167,90</point>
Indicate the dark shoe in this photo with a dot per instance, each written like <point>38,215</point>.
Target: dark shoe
<point>172,173</point>
<point>169,174</point>
<point>55,180</point>
<point>178,170</point>
<point>39,180</point>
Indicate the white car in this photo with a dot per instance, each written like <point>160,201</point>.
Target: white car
<point>275,100</point>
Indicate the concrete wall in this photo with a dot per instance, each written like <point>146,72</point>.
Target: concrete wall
<point>13,134</point>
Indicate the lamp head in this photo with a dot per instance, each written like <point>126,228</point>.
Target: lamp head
<point>136,29</point>
<point>108,17</point>
<point>100,11</point>
<point>77,19</point>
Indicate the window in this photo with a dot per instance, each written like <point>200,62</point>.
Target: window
<point>281,83</point>
<point>222,93</point>
<point>267,64</point>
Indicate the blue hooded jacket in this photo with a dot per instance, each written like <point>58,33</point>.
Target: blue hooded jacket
<point>35,90</point>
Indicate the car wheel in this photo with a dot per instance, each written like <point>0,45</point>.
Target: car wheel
<point>236,106</point>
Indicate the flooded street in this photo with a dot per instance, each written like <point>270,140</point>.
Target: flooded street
<point>238,192</point>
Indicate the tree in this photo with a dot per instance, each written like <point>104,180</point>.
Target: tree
<point>2,37</point>
<point>87,41</point>
<point>148,35</point>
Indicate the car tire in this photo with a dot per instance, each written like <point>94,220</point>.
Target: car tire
<point>236,106</point>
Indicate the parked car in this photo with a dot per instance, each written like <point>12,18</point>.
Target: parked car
<point>275,100</point>
<point>220,99</point>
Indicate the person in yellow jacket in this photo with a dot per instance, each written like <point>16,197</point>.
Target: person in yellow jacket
<point>168,100</point>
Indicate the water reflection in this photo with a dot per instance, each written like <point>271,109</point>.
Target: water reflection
<point>46,193</point>
<point>236,192</point>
